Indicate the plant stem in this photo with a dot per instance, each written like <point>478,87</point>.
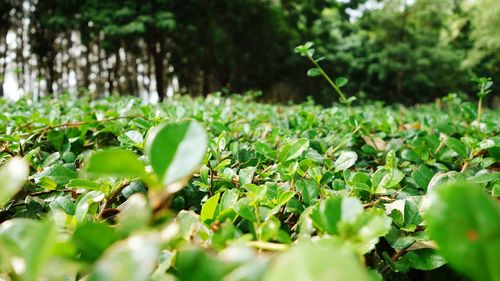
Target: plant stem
<point>479,109</point>
<point>268,246</point>
<point>79,124</point>
<point>109,201</point>
<point>330,81</point>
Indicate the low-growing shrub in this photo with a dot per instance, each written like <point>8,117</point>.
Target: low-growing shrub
<point>229,189</point>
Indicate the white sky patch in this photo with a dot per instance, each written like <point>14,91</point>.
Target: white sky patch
<point>10,86</point>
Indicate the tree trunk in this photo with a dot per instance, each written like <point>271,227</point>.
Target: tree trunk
<point>160,86</point>
<point>100,76</point>
<point>110,78</point>
<point>134,83</point>
<point>51,73</point>
<point>157,49</point>
<point>117,75</point>
<point>87,68</point>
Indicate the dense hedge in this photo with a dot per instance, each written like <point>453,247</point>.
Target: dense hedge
<point>230,189</point>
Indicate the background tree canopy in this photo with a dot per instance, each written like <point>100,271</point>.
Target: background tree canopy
<point>394,50</point>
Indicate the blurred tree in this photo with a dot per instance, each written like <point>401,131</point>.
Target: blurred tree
<point>7,9</point>
<point>396,50</point>
<point>49,20</point>
<point>407,59</point>
<point>485,54</point>
<point>234,44</point>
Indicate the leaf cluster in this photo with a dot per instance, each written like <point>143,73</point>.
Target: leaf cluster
<point>229,189</point>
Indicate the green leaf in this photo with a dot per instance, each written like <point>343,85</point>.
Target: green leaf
<point>195,264</point>
<point>440,179</point>
<point>229,199</point>
<point>92,239</point>
<point>464,222</point>
<point>33,242</point>
<point>56,138</point>
<point>134,187</point>
<point>64,203</point>
<point>423,176</point>
<point>326,215</point>
<point>293,151</point>
<point>269,228</point>
<point>457,146</point>
<point>345,217</point>
<point>325,259</point>
<point>364,230</point>
<point>134,214</point>
<point>68,157</point>
<point>175,150</point>
<point>244,210</point>
<point>412,217</point>
<point>424,259</point>
<point>309,189</point>
<point>60,174</point>
<point>209,208</point>
<point>246,175</point>
<point>386,178</point>
<point>341,81</point>
<point>132,259</point>
<point>131,138</point>
<point>115,162</point>
<point>346,160</point>
<point>265,149</point>
<point>83,183</point>
<point>12,177</point>
<point>51,159</point>
<point>189,224</point>
<point>85,202</point>
<point>313,72</point>
<point>484,177</point>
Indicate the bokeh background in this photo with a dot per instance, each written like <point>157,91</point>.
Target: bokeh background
<point>392,50</point>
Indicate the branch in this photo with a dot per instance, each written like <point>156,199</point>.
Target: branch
<point>78,124</point>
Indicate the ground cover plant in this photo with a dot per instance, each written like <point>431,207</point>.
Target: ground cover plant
<point>223,188</point>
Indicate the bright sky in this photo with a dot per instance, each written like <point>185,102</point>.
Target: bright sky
<point>10,87</point>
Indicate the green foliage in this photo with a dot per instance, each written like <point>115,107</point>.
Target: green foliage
<point>229,189</point>
<point>306,50</point>
<point>12,177</point>
<point>396,51</point>
<point>175,150</point>
<point>464,223</point>
<point>306,261</point>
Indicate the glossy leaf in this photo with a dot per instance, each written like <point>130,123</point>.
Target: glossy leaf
<point>12,177</point>
<point>341,81</point>
<point>306,261</point>
<point>115,162</point>
<point>294,150</point>
<point>313,72</point>
<point>346,160</point>
<point>457,146</point>
<point>133,259</point>
<point>464,222</point>
<point>209,208</point>
<point>176,150</point>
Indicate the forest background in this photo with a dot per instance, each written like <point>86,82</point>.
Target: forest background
<point>392,50</point>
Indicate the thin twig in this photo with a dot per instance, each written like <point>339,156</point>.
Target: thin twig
<point>113,198</point>
<point>371,204</point>
<point>401,252</point>
<point>78,124</point>
<point>268,246</point>
<point>7,150</point>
